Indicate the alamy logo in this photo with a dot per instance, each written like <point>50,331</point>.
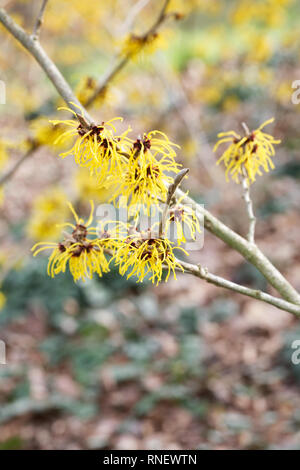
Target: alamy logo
<point>181,230</point>
<point>296,354</point>
<point>296,94</point>
<point>2,92</point>
<point>2,353</point>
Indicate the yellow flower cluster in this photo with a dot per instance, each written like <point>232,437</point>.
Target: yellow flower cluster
<point>146,253</point>
<point>149,161</point>
<point>249,155</point>
<point>142,253</point>
<point>137,171</point>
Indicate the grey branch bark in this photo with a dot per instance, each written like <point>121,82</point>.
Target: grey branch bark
<point>6,176</point>
<point>53,73</point>
<point>202,273</point>
<point>249,251</point>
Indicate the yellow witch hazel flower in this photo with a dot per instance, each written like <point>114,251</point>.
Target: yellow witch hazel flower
<point>143,253</point>
<point>96,147</point>
<point>248,155</point>
<point>82,255</point>
<point>146,171</point>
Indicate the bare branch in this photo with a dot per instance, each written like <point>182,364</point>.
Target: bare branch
<point>160,19</point>
<point>203,273</point>
<point>115,69</point>
<point>179,101</point>
<point>39,21</point>
<point>249,251</point>
<point>6,176</point>
<point>246,128</point>
<point>45,62</point>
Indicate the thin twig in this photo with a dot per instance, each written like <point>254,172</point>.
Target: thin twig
<point>53,73</point>
<point>249,205</point>
<point>118,65</point>
<point>203,273</point>
<point>247,197</point>
<point>187,114</point>
<point>134,12</point>
<point>160,19</point>
<point>171,191</point>
<point>39,21</point>
<point>121,61</point>
<point>6,176</point>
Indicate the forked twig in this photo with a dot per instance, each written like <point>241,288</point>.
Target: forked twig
<point>39,21</point>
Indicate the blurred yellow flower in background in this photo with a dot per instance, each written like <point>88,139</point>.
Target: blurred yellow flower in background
<point>45,133</point>
<point>87,187</point>
<point>133,45</point>
<point>86,89</point>
<point>49,210</point>
<point>2,300</point>
<point>269,12</point>
<point>4,156</point>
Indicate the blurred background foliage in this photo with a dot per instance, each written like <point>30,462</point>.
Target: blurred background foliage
<point>115,364</point>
